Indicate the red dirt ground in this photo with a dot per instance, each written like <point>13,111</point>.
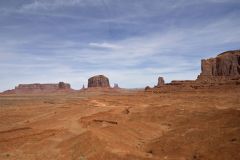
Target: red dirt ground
<point>124,125</point>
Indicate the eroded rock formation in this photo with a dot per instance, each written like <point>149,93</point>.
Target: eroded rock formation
<point>222,71</point>
<point>160,81</point>
<point>226,66</point>
<point>40,88</point>
<point>116,86</point>
<point>62,85</point>
<point>98,81</point>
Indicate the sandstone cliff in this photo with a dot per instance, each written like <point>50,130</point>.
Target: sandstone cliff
<point>226,66</point>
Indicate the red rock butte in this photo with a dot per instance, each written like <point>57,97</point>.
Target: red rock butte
<point>98,81</point>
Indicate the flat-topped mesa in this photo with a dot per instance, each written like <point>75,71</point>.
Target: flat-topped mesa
<point>98,81</point>
<point>41,88</point>
<point>226,66</point>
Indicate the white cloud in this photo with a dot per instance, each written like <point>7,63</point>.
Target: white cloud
<point>55,4</point>
<point>105,45</point>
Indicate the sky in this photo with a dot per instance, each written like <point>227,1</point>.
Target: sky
<point>132,42</point>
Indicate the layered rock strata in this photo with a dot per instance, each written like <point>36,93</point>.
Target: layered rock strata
<point>225,67</point>
<point>40,88</point>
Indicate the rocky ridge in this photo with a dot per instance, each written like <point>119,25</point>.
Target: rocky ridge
<point>40,88</point>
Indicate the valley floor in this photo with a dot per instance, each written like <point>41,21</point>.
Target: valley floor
<point>124,125</point>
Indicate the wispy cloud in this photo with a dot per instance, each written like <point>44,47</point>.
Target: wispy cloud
<point>54,4</point>
<point>104,45</point>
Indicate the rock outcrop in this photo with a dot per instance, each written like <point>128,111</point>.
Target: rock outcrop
<point>147,88</point>
<point>62,85</point>
<point>83,87</point>
<point>98,81</point>
<point>160,81</point>
<point>116,86</point>
<point>226,66</point>
<point>222,71</point>
<point>40,88</point>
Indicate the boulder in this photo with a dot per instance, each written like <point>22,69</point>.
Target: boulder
<point>98,81</point>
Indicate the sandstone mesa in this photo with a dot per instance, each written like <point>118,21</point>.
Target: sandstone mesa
<point>98,81</point>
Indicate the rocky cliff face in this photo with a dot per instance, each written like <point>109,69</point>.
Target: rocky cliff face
<point>98,81</point>
<point>225,66</point>
<point>40,88</point>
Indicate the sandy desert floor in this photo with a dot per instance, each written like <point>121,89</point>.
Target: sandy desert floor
<point>124,125</point>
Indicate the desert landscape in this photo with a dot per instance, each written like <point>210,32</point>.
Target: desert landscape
<point>181,120</point>
<point>119,80</point>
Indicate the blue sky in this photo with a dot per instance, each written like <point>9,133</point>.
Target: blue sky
<point>130,41</point>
